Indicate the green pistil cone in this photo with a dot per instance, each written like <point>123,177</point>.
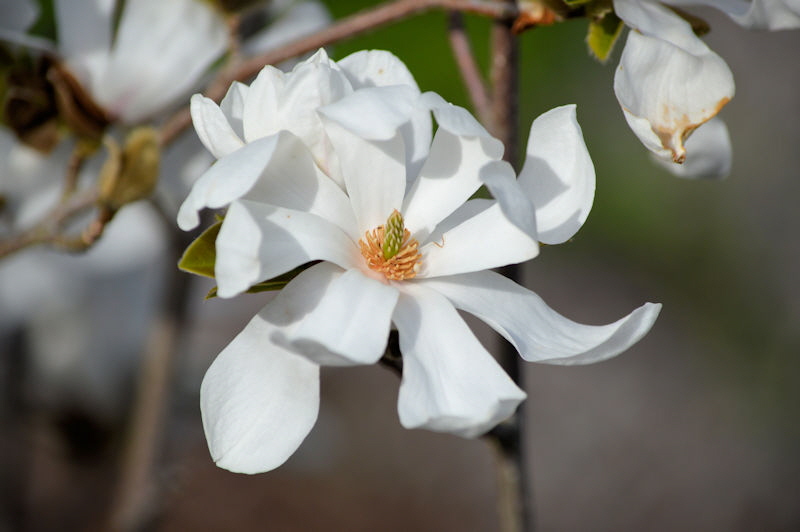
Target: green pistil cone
<point>393,235</point>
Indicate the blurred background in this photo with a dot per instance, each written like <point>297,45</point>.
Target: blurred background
<point>694,428</point>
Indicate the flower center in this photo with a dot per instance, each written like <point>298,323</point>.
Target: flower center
<point>389,249</point>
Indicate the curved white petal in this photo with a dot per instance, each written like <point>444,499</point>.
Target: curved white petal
<point>374,174</point>
<point>278,170</point>
<point>374,113</point>
<point>232,106</point>
<point>450,382</point>
<point>538,332</point>
<point>228,179</point>
<point>338,318</point>
<point>668,81</point>
<point>213,128</point>
<point>558,175</point>
<point>84,35</point>
<point>487,239</point>
<point>262,103</point>
<point>276,102</point>
<point>258,401</point>
<point>502,182</point>
<point>147,74</point>
<point>451,174</point>
<point>709,153</point>
<point>755,14</point>
<point>288,21</point>
<point>17,15</point>
<point>379,68</point>
<point>259,241</point>
<point>770,15</point>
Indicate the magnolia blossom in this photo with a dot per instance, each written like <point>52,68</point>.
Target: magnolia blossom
<point>669,83</point>
<point>400,246</point>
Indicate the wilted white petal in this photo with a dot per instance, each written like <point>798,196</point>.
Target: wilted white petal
<point>538,332</point>
<point>374,174</point>
<point>213,128</point>
<point>342,321</point>
<point>668,81</point>
<point>160,51</point>
<point>558,175</point>
<point>709,153</point>
<point>487,239</point>
<point>258,401</point>
<point>258,241</point>
<point>450,382</point>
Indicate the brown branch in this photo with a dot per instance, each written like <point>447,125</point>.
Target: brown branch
<point>513,484</point>
<point>344,29</point>
<point>48,230</point>
<point>465,59</point>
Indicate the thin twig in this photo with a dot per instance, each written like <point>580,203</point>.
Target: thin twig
<point>465,59</point>
<point>344,29</point>
<point>513,487</point>
<point>74,165</point>
<point>48,230</point>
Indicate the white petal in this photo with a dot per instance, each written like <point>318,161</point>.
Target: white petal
<point>755,14</point>
<point>709,153</point>
<point>538,332</point>
<point>558,175</point>
<point>261,104</point>
<point>228,179</point>
<point>502,182</point>
<point>17,15</point>
<point>374,174</point>
<point>450,382</point>
<point>287,23</point>
<point>258,402</point>
<point>451,174</point>
<point>668,81</point>
<point>378,68</point>
<point>339,318</point>
<point>259,241</point>
<point>213,128</point>
<point>232,106</point>
<point>770,15</point>
<point>84,35</point>
<point>145,75</point>
<point>374,113</point>
<point>488,239</point>
<point>277,170</point>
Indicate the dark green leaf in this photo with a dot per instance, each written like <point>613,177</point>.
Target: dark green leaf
<point>603,33</point>
<point>200,256</point>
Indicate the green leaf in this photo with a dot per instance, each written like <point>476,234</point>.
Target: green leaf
<point>603,33</point>
<point>276,283</point>
<point>200,256</point>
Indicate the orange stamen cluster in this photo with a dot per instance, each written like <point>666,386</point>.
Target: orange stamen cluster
<point>403,265</point>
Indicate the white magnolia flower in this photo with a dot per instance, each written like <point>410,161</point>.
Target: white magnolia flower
<point>400,245</point>
<point>670,83</point>
<point>158,53</point>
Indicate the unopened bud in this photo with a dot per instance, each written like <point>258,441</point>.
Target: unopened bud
<point>131,173</point>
